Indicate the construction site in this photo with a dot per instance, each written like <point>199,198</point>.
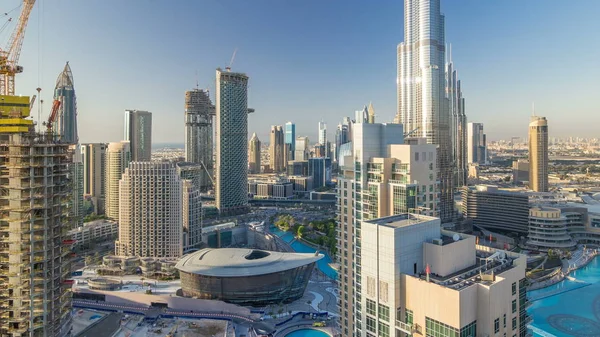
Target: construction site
<point>35,200</point>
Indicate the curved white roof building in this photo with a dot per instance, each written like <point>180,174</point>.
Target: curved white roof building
<point>246,276</point>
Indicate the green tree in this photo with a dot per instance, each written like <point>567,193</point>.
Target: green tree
<point>301,230</point>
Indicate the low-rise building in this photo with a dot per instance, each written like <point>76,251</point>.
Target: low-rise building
<point>271,189</point>
<point>94,231</point>
<point>495,209</point>
<point>548,229</point>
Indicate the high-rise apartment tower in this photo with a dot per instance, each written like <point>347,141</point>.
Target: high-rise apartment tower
<point>231,192</point>
<point>422,103</point>
<point>290,138</point>
<point>199,112</point>
<point>538,154</point>
<point>93,156</point>
<point>476,144</point>
<point>150,212</point>
<point>254,154</point>
<point>138,131</point>
<point>277,149</point>
<point>118,156</point>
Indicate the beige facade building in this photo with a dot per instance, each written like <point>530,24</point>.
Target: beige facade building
<point>93,156</point>
<point>418,279</point>
<point>150,211</point>
<point>118,156</point>
<point>538,154</point>
<point>254,155</point>
<point>191,215</point>
<point>277,149</point>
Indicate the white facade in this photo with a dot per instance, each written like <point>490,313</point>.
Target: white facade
<point>322,133</point>
<point>150,212</point>
<point>232,142</point>
<point>254,155</point>
<point>302,146</point>
<point>422,103</point>
<point>420,280</point>
<point>98,230</point>
<point>118,156</point>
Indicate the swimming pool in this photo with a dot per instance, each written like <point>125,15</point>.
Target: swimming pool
<point>300,247</point>
<point>307,333</point>
<point>569,308</point>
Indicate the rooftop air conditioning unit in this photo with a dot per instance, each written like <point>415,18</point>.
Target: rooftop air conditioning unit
<point>438,242</point>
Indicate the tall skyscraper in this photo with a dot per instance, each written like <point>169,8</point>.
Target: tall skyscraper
<point>191,215</point>
<point>138,131</point>
<point>118,156</point>
<point>302,148</point>
<point>150,212</point>
<point>319,169</point>
<point>380,176</point>
<point>93,156</point>
<point>232,142</point>
<point>199,112</point>
<point>538,154</point>
<point>476,144</point>
<point>65,125</point>
<point>277,149</point>
<point>254,154</point>
<point>458,124</point>
<point>342,136</point>
<point>290,138</point>
<point>322,133</point>
<point>65,128</point>
<point>422,104</point>
<point>35,253</point>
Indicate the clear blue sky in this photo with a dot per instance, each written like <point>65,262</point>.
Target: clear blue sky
<point>311,60</point>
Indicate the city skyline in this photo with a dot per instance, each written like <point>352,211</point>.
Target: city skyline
<point>487,73</point>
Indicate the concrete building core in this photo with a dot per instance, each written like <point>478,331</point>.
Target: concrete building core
<point>35,248</point>
<point>199,112</point>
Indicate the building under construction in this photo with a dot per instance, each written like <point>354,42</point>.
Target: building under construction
<point>35,250</point>
<point>199,112</point>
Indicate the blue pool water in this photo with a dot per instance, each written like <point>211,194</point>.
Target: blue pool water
<point>307,333</point>
<point>300,247</point>
<point>569,308</point>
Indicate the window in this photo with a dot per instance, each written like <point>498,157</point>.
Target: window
<point>514,288</point>
<point>514,306</point>
<point>384,312</point>
<point>504,320</point>
<point>409,317</point>
<point>469,330</point>
<point>496,325</point>
<point>435,328</point>
<point>371,307</point>
<point>416,156</point>
<point>370,324</point>
<point>514,323</point>
<point>384,330</point>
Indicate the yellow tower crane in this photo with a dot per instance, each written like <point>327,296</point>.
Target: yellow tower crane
<point>9,57</point>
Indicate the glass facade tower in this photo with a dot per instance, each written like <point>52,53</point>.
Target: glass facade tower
<point>422,103</point>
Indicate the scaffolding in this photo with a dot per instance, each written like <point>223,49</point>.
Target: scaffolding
<point>35,250</point>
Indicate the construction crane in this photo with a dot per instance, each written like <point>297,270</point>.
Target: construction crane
<point>53,115</point>
<point>9,57</point>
